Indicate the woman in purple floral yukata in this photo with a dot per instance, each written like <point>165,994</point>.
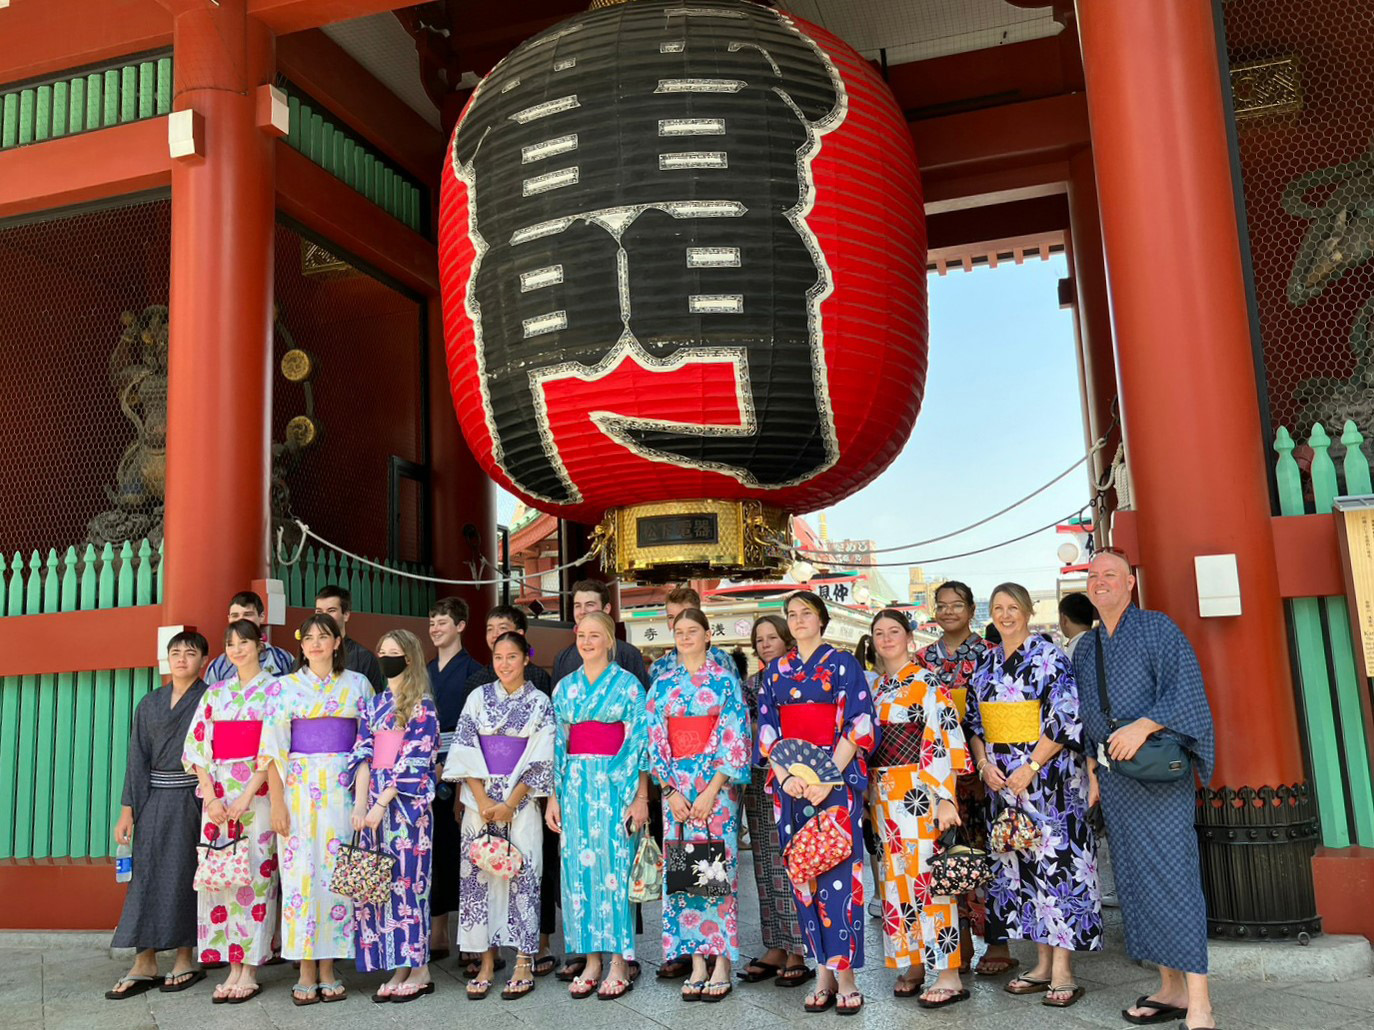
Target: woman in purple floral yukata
<point>1027,739</point>
<point>394,765</point>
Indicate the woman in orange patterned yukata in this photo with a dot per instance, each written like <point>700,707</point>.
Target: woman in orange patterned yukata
<point>920,752</point>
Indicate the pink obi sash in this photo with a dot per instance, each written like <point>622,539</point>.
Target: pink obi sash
<point>596,738</point>
<point>810,721</point>
<point>386,745</point>
<point>502,752</point>
<point>689,735</point>
<point>235,740</point>
<point>331,735</point>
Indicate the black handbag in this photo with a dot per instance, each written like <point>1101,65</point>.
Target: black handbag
<point>958,868</point>
<point>1161,759</point>
<point>697,867</point>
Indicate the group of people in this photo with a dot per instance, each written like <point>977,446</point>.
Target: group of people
<point>504,795</point>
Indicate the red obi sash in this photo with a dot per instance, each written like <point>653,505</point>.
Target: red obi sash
<point>596,738</point>
<point>812,721</point>
<point>386,745</point>
<point>235,740</point>
<point>689,735</point>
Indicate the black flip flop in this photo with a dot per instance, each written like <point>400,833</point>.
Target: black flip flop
<point>573,967</point>
<point>138,985</point>
<point>786,977</point>
<point>853,1010</point>
<point>674,969</point>
<point>1162,1013</point>
<point>544,965</point>
<point>828,1003</point>
<point>1075,993</point>
<point>192,977</point>
<point>235,999</point>
<point>768,970</point>
<point>954,998</point>
<point>402,999</point>
<point>713,998</point>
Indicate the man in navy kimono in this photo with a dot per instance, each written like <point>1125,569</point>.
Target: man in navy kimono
<point>1154,685</point>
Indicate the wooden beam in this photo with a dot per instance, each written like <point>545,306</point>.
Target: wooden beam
<point>50,36</point>
<point>343,216</point>
<point>961,192</point>
<point>89,166</point>
<point>283,16</point>
<point>1031,132</point>
<point>350,93</point>
<point>112,638</point>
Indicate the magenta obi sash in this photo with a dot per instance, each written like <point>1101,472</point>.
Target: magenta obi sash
<point>386,745</point>
<point>596,738</point>
<point>331,735</point>
<point>502,752</point>
<point>235,740</point>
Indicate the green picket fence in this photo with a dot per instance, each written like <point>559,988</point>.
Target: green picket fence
<point>345,156</point>
<point>64,736</point>
<point>1330,683</point>
<point>95,99</point>
<point>374,591</point>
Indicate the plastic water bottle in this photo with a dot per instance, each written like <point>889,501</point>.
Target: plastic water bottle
<point>124,863</point>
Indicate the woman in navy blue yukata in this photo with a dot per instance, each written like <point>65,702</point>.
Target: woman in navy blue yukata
<point>820,694</point>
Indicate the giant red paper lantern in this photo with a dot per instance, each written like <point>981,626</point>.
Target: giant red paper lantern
<point>683,258</point>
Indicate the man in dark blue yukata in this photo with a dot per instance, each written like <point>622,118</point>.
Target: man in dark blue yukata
<point>448,677</point>
<point>1154,685</point>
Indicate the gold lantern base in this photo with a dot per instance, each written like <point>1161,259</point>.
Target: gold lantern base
<point>670,541</point>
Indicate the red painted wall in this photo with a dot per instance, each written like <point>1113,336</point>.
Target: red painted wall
<point>365,339</point>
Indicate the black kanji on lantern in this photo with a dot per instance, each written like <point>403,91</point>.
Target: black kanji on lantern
<point>639,180</point>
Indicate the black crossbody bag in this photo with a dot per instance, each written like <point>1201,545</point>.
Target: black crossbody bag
<point>1161,759</point>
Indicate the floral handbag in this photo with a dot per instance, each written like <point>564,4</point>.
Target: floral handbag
<point>958,868</point>
<point>1013,830</point>
<point>819,846</point>
<point>696,867</point>
<point>220,867</point>
<point>362,874</point>
<point>646,874</point>
<point>496,856</point>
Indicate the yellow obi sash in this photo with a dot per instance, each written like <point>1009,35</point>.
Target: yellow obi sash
<point>1010,722</point>
<point>959,695</point>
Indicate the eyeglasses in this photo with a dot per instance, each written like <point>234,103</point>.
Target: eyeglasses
<point>949,609</point>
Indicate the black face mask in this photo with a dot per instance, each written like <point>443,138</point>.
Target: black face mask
<point>392,665</point>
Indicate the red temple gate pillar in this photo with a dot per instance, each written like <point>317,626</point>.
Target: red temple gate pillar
<point>1093,318</point>
<point>1189,401</point>
<point>219,380</point>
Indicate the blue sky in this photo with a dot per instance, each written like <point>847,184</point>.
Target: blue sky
<point>1001,416</point>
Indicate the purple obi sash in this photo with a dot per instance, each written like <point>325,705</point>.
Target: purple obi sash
<point>596,738</point>
<point>327,736</point>
<point>386,745</point>
<point>501,752</point>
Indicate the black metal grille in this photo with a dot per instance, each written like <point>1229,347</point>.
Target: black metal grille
<point>83,333</point>
<point>1303,88</point>
<point>358,342</point>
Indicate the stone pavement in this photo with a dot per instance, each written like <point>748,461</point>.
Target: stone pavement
<point>57,982</point>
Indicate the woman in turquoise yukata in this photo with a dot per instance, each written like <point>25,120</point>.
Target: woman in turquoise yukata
<point>599,805</point>
<point>395,779</point>
<point>699,752</point>
<point>311,729</point>
<point>819,694</point>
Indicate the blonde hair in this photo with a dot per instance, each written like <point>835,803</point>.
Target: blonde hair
<point>414,681</point>
<point>1017,593</point>
<point>607,625</point>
